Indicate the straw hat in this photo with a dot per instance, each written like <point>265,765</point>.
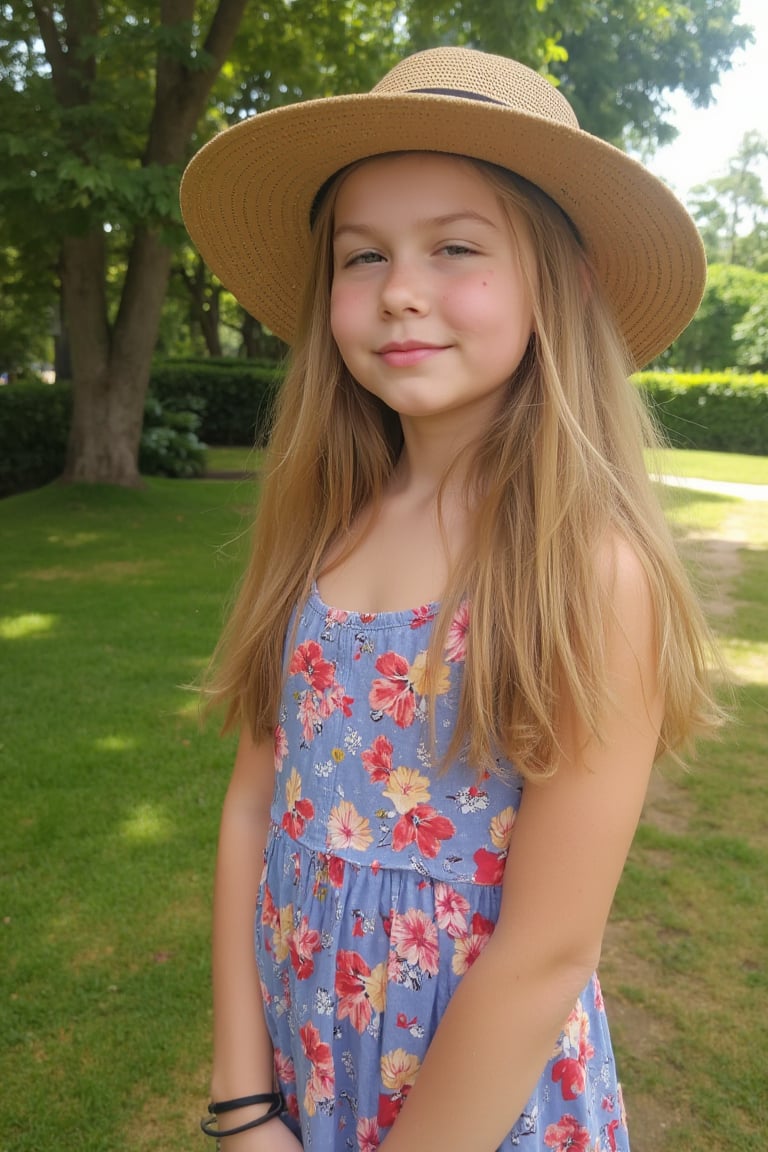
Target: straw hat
<point>246,196</point>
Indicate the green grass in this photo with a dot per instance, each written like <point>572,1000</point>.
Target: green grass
<point>677,462</point>
<point>237,459</point>
<point>110,603</point>
<point>728,466</point>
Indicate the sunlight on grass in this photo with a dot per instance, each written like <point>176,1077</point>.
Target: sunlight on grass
<point>75,539</point>
<point>28,624</point>
<point>146,824</point>
<point>115,743</point>
<point>190,709</point>
<point>748,659</point>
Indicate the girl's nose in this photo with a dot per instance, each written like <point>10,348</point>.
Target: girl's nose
<point>403,291</point>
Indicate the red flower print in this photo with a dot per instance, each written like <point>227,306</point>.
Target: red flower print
<point>571,1077</point>
<point>281,746</point>
<point>424,825</point>
<point>610,1131</point>
<point>269,913</point>
<point>368,1138</point>
<point>309,662</point>
<point>570,1071</point>
<point>298,811</point>
<point>422,616</point>
<point>490,866</point>
<point>361,990</point>
<point>414,939</point>
<point>456,644</point>
<point>390,1106</point>
<point>310,714</point>
<point>467,948</point>
<point>334,698</point>
<point>451,910</point>
<point>336,871</point>
<point>284,1069</point>
<point>303,942</point>
<point>567,1135</point>
<point>394,693</point>
<point>377,760</point>
<point>321,1083</point>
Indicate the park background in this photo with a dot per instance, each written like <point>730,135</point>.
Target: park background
<point>121,536</point>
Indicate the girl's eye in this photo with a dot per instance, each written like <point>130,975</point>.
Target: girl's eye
<point>457,250</point>
<point>363,258</point>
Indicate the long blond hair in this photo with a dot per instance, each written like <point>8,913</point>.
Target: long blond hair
<point>560,467</point>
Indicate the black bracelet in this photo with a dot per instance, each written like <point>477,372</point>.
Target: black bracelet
<point>276,1107</point>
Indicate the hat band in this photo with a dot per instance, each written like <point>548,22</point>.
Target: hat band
<point>456,92</point>
<point>465,95</point>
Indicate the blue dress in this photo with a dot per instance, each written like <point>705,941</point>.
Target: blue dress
<point>382,885</point>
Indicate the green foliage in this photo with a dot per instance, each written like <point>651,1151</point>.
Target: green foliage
<point>732,210</point>
<point>623,59</point>
<point>728,330</point>
<point>169,443</point>
<point>237,395</point>
<point>717,412</point>
<point>34,419</point>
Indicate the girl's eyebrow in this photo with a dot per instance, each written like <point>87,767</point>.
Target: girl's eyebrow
<point>433,221</point>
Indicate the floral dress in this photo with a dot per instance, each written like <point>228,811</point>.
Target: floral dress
<point>382,885</point>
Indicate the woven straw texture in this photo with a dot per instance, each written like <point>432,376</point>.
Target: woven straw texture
<point>246,197</point>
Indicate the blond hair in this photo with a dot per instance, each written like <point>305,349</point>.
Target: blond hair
<point>560,469</point>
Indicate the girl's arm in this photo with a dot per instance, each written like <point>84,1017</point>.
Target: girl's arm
<point>242,1062</point>
<point>567,851</point>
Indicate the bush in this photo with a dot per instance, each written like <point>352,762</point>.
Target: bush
<point>720,336</point>
<point>34,422</point>
<point>717,412</point>
<point>236,395</point>
<point>169,444</point>
<point>34,419</point>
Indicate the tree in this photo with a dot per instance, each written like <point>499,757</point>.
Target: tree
<point>103,125</point>
<point>624,58</point>
<point>102,102</point>
<point>730,329</point>
<point>732,210</point>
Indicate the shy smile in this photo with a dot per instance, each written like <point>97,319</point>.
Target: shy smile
<point>407,354</point>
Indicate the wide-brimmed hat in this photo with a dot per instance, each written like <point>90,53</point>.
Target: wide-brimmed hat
<point>247,196</point>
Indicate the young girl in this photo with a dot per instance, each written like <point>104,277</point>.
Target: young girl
<point>464,635</point>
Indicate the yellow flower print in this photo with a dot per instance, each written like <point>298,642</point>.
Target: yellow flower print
<point>501,828</point>
<point>418,676</point>
<point>281,936</point>
<point>406,788</point>
<point>348,829</point>
<point>376,987</point>
<point>399,1069</point>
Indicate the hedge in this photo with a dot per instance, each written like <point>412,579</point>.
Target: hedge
<point>34,421</point>
<point>237,396</point>
<point>715,411</point>
<point>722,412</point>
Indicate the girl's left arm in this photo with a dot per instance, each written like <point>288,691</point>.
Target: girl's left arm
<point>567,852</point>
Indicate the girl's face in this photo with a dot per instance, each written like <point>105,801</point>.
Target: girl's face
<point>429,307</point>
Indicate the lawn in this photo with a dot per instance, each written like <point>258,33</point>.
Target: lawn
<point>729,466</point>
<point>111,602</point>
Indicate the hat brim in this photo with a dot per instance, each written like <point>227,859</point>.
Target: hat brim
<point>246,199</point>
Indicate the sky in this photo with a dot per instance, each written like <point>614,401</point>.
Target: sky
<point>709,137</point>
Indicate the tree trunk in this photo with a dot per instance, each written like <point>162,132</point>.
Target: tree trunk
<point>111,370</point>
<point>110,367</point>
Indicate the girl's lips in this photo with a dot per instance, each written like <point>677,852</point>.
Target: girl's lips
<point>405,357</point>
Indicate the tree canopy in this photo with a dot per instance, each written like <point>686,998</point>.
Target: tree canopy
<point>101,103</point>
